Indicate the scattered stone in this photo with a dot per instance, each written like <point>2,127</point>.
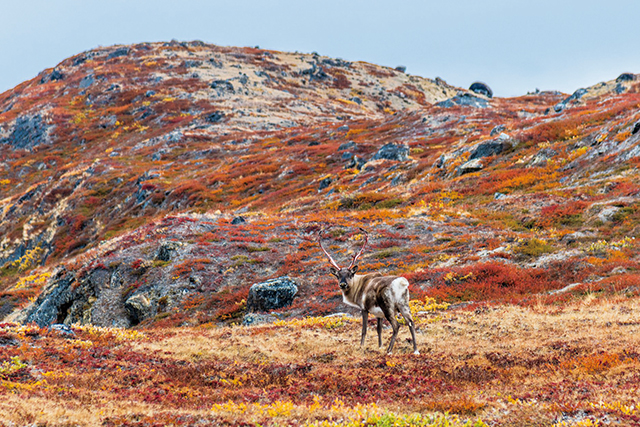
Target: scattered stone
<point>498,196</point>
<point>620,88</point>
<point>324,183</point>
<point>469,167</point>
<point>491,148</point>
<point>626,77</point>
<point>122,51</point>
<point>636,128</point>
<point>573,237</point>
<point>356,100</point>
<point>56,74</point>
<point>343,128</point>
<point>6,341</point>
<point>542,157</point>
<point>619,270</point>
<point>393,151</point>
<point>481,89</point>
<point>401,68</point>
<point>238,220</point>
<point>496,130</point>
<point>86,81</point>
<point>565,289</point>
<point>315,73</point>
<point>222,87</point>
<point>464,99</point>
<point>271,294</point>
<point>166,250</point>
<point>214,117</point>
<point>346,145</point>
<point>62,329</point>
<point>257,319</point>
<point>575,97</point>
<point>355,163</point>
<point>149,93</point>
<point>607,214</point>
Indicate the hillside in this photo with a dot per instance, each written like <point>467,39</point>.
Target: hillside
<point>118,151</point>
<point>149,186</point>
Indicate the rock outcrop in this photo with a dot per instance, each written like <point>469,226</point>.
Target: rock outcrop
<point>271,294</point>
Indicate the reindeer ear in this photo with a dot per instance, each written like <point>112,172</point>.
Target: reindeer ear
<point>354,269</point>
<point>334,271</point>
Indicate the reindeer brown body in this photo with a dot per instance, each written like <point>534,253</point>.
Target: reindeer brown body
<point>382,296</point>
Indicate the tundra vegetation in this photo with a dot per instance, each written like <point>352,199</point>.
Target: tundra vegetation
<point>149,186</point>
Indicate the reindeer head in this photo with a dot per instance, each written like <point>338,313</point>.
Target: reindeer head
<point>344,275</point>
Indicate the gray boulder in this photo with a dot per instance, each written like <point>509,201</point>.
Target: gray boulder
<point>469,167</point>
<point>393,151</point>
<point>491,148</point>
<point>481,89</point>
<point>626,77</point>
<point>271,294</point>
<point>574,98</point>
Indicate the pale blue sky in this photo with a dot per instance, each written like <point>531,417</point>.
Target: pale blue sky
<point>514,46</point>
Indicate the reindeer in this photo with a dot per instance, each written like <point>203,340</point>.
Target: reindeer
<point>382,296</point>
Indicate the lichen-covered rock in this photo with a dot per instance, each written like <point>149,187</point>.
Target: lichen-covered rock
<point>271,294</point>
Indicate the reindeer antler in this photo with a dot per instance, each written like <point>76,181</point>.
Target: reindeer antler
<point>366,240</point>
<point>333,263</point>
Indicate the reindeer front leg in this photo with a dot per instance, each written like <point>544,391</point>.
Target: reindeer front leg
<point>390,314</point>
<point>365,318</point>
<point>379,327</point>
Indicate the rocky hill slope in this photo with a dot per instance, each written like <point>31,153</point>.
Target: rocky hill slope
<point>154,183</point>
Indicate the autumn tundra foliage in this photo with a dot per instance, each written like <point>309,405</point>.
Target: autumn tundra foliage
<point>144,189</point>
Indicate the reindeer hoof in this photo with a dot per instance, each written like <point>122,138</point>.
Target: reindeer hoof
<point>416,352</point>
